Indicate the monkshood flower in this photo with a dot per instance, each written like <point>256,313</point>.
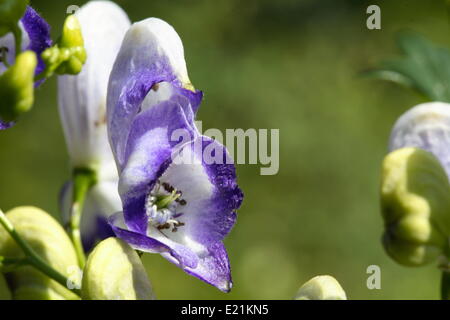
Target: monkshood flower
<point>180,209</point>
<point>82,108</point>
<point>35,37</point>
<point>415,189</point>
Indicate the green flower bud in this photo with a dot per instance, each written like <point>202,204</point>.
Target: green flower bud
<point>114,271</point>
<point>5,293</point>
<point>10,13</point>
<point>69,54</point>
<point>415,204</point>
<point>49,240</point>
<point>17,87</point>
<point>71,34</point>
<point>321,288</point>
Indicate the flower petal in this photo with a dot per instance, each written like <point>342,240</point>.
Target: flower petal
<point>151,53</point>
<point>5,125</point>
<point>38,32</point>
<point>179,253</point>
<point>82,98</point>
<point>213,266</point>
<point>205,174</point>
<point>209,264</point>
<point>148,151</point>
<point>426,126</point>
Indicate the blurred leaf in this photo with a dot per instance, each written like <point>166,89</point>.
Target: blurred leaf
<point>424,67</point>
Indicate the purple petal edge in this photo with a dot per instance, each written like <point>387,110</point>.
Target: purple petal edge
<point>5,125</point>
<point>39,34</point>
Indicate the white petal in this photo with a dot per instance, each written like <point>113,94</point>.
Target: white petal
<point>82,98</point>
<point>7,41</point>
<point>155,42</point>
<point>426,126</point>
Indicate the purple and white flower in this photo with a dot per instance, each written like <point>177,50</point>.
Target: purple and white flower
<point>426,126</point>
<point>180,209</point>
<point>82,108</point>
<point>35,37</point>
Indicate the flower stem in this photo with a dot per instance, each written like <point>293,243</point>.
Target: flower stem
<point>83,180</point>
<point>31,257</point>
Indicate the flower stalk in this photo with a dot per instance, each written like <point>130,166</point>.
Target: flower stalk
<point>31,257</point>
<point>83,180</point>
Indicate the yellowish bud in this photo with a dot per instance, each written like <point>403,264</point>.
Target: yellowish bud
<point>415,204</point>
<point>321,288</point>
<point>114,271</point>
<point>49,240</point>
<point>17,87</point>
<point>68,55</point>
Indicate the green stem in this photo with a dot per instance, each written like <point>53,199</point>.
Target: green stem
<point>83,180</point>
<point>31,257</point>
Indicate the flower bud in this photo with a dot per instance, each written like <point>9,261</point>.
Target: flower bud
<point>49,240</point>
<point>114,271</point>
<point>321,288</point>
<point>68,55</point>
<point>72,42</point>
<point>5,294</point>
<point>10,13</point>
<point>415,204</point>
<point>17,87</point>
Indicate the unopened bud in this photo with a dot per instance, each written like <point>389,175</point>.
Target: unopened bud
<point>17,87</point>
<point>49,240</point>
<point>114,271</point>
<point>68,55</point>
<point>415,204</point>
<point>321,288</point>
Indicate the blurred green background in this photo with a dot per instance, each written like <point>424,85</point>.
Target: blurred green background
<point>285,64</point>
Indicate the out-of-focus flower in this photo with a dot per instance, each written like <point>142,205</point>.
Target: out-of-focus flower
<point>321,288</point>
<point>82,108</point>
<point>180,209</point>
<point>114,271</point>
<point>35,37</point>
<point>415,191</point>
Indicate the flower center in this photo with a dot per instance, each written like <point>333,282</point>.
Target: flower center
<point>161,206</point>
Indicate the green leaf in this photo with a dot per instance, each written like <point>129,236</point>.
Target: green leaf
<point>424,67</point>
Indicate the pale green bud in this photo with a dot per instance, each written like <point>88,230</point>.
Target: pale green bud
<point>72,40</point>
<point>114,271</point>
<point>17,87</point>
<point>10,13</point>
<point>321,288</point>
<point>49,240</point>
<point>415,204</point>
<point>5,293</point>
<point>68,55</point>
